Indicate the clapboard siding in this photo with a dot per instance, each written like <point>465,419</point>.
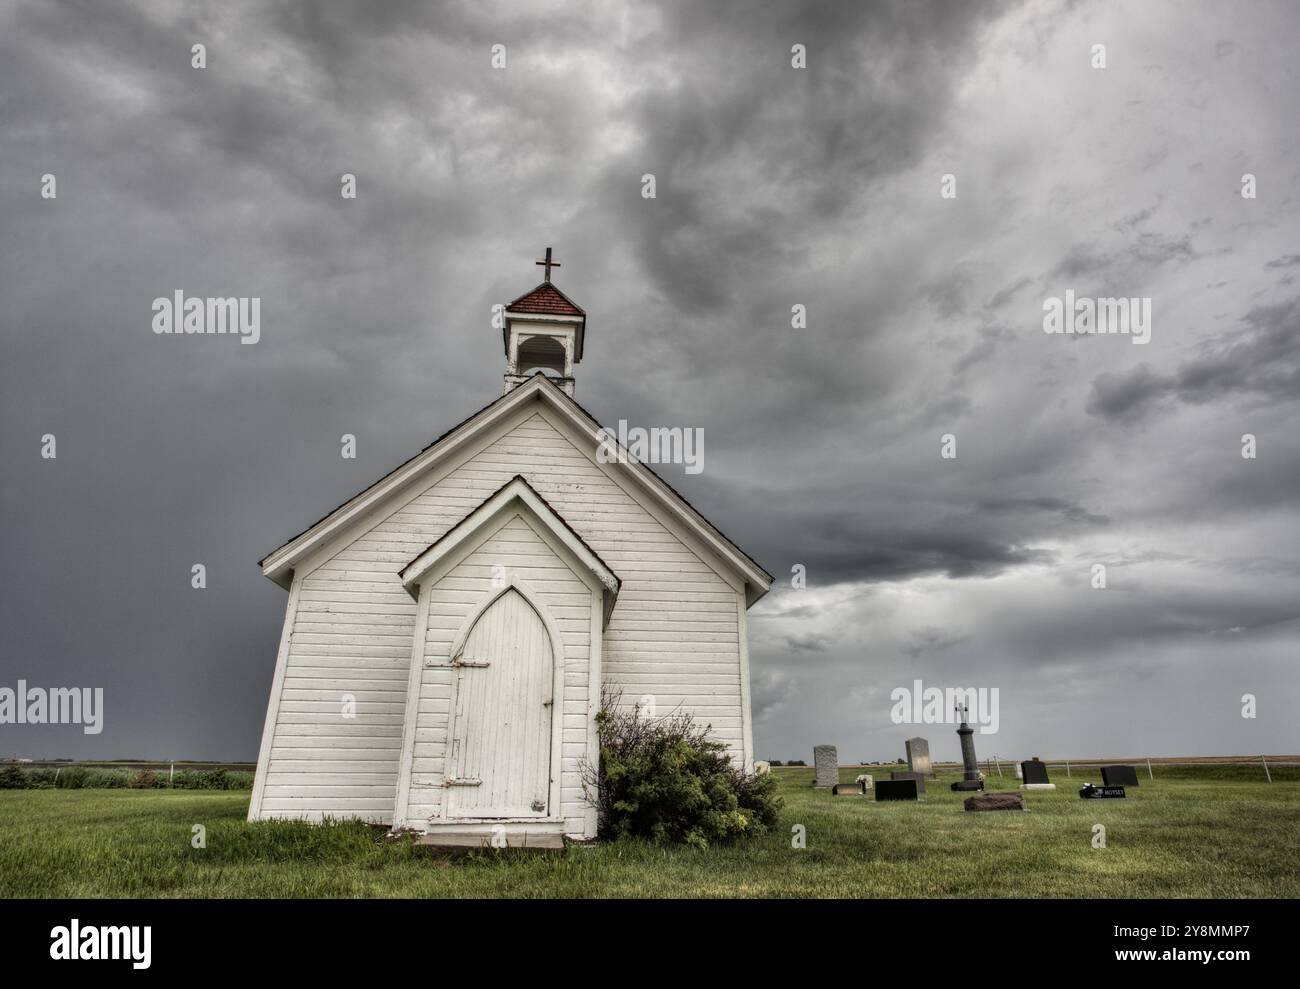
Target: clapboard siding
<point>674,633</point>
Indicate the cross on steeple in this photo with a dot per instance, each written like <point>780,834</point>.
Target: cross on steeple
<point>548,264</point>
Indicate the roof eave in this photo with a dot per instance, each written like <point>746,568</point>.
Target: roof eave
<point>279,564</point>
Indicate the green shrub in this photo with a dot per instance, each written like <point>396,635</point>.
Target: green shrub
<point>211,779</point>
<point>70,778</point>
<point>13,777</point>
<point>40,779</point>
<point>106,779</point>
<point>667,780</point>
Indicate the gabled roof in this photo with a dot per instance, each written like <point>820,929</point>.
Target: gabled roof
<point>278,565</point>
<point>547,300</point>
<point>516,493</point>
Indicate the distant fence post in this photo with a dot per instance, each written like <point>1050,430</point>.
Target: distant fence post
<point>172,775</point>
<point>1150,775</point>
<point>1067,767</point>
<point>1266,772</point>
<point>998,764</point>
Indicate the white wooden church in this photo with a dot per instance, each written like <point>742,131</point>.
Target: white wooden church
<point>448,629</point>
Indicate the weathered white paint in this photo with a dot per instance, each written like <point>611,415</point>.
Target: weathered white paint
<point>273,706</point>
<point>676,632</point>
<point>499,765</point>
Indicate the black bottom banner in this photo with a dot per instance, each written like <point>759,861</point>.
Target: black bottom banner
<point>332,938</point>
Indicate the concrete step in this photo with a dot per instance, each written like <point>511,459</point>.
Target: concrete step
<point>464,841</point>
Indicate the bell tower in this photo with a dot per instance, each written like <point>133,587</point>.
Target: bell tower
<point>543,331</point>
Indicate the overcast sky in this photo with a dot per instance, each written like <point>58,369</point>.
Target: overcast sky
<point>776,186</point>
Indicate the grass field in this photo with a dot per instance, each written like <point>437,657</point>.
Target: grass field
<point>1196,831</point>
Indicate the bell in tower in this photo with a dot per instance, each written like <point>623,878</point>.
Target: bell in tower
<point>543,332</point>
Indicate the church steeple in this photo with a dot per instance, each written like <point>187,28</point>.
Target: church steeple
<point>543,331</point>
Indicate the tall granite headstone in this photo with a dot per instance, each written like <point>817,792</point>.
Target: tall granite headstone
<point>918,757</point>
<point>971,779</point>
<point>827,763</point>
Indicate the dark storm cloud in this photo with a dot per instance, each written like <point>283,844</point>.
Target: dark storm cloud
<point>1142,253</point>
<point>929,641</point>
<point>737,127</point>
<point>1261,361</point>
<point>775,186</point>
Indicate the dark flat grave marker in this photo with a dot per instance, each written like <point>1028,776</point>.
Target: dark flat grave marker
<point>1119,776</point>
<point>966,786</point>
<point>1090,792</point>
<point>919,778</point>
<point>896,790</point>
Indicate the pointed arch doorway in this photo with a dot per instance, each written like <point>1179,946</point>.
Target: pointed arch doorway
<point>499,757</point>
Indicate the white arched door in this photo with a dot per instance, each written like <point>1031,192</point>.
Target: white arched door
<point>499,759</point>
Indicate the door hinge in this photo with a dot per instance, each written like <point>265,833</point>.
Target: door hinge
<point>457,661</point>
<point>462,781</point>
<point>547,703</point>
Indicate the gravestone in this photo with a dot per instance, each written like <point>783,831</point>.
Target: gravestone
<point>1035,776</point>
<point>972,778</point>
<point>1119,776</point>
<point>848,790</point>
<point>1019,774</point>
<point>1034,771</point>
<point>918,757</point>
<point>865,780</point>
<point>762,768</point>
<point>896,790</point>
<point>1090,792</point>
<point>827,763</point>
<point>918,777</point>
<point>996,801</point>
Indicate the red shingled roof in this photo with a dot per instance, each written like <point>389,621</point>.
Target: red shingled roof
<point>546,299</point>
